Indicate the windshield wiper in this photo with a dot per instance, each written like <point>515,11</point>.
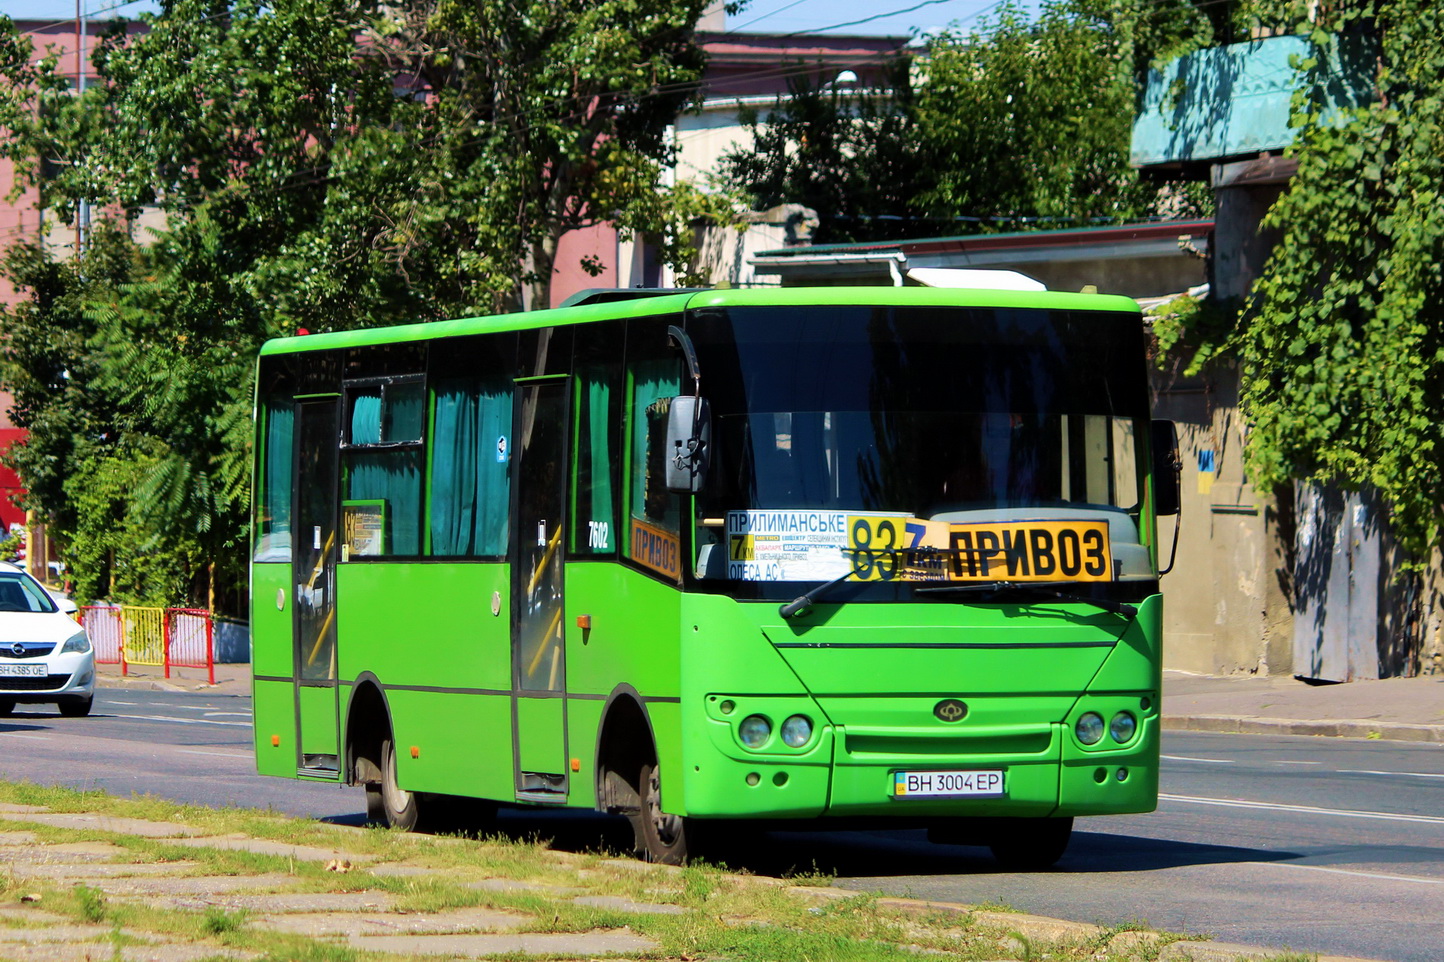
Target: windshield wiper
<point>802,604</point>
<point>1050,588</point>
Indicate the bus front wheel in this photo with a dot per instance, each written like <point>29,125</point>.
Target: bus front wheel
<point>660,837</point>
<point>1033,843</point>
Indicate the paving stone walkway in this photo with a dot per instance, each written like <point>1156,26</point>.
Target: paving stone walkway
<point>363,917</point>
<point>231,898</point>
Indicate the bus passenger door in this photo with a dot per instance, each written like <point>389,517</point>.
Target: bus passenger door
<point>538,654</point>
<point>313,577</point>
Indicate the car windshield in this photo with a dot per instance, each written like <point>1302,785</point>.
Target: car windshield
<point>944,415</point>
<point>20,592</point>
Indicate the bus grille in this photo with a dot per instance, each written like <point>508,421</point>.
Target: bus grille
<point>981,743</point>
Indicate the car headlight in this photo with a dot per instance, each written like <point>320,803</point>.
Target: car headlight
<point>797,731</point>
<point>1122,727</point>
<point>1089,728</point>
<point>754,731</point>
<point>79,644</point>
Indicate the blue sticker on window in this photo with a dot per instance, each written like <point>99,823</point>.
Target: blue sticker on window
<point>501,450</point>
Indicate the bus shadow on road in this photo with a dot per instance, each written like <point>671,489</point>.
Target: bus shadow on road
<point>842,855</point>
<point>879,854</point>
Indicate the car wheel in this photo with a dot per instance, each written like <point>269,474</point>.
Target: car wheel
<point>77,707</point>
<point>1033,844</point>
<point>7,707</point>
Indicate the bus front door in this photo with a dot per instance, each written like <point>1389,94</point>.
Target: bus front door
<point>538,653</point>
<point>313,573</point>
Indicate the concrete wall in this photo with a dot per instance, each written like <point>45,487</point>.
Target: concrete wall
<point>1226,601</point>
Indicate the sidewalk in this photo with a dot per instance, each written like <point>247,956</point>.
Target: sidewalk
<point>1398,709</point>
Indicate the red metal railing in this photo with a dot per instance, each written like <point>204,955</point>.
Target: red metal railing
<point>127,635</point>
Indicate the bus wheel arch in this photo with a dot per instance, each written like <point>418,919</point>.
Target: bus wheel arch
<point>629,779</point>
<point>368,732</point>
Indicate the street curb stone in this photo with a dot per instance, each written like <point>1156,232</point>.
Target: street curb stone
<point>1339,728</point>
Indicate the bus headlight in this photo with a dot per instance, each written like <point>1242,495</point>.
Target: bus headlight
<point>1089,728</point>
<point>754,731</point>
<point>796,731</point>
<point>1122,727</point>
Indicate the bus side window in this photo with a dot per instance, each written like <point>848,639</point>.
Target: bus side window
<point>381,486</point>
<point>654,377</point>
<point>597,406</point>
<point>273,505</point>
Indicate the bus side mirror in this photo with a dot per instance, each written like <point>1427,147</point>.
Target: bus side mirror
<point>1167,468</point>
<point>689,444</point>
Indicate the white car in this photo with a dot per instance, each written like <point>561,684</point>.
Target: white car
<point>44,654</point>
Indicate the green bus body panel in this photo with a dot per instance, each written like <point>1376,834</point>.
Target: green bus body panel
<point>1023,671</point>
<point>273,706</point>
<point>271,625</point>
<point>427,625</point>
<point>397,622</point>
<point>462,742</point>
<point>318,720</point>
<point>676,303</point>
<point>636,621</point>
<point>541,746</point>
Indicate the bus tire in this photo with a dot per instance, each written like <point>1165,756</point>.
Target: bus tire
<point>398,806</point>
<point>1033,843</point>
<point>659,837</point>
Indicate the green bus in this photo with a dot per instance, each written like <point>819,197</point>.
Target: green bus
<point>827,557</point>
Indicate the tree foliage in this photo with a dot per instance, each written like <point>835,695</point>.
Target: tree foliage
<point>300,164</point>
<point>1341,343</point>
<point>1017,122</point>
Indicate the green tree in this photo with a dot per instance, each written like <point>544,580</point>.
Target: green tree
<point>1339,344</point>
<point>848,153</point>
<point>1016,123</point>
<point>1342,341</point>
<point>319,164</point>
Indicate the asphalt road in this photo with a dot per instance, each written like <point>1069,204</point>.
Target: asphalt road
<point>1315,844</point>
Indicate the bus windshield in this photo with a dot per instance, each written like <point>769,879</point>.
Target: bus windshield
<point>951,415</point>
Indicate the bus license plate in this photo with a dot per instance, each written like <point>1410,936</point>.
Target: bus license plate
<point>947,784</point>
<point>24,671</point>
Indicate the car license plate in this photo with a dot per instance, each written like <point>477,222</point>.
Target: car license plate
<point>24,671</point>
<point>947,784</point>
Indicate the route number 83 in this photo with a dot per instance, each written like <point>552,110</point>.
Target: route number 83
<point>875,547</point>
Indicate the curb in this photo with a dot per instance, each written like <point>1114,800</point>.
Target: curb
<point>1043,927</point>
<point>1344,728</point>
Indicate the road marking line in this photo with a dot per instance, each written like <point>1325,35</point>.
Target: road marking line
<point>1281,762</point>
<point>1365,771</point>
<point>1344,871</point>
<point>1301,809</point>
<point>38,738</point>
<point>192,751</point>
<point>1190,758</point>
<point>180,721</point>
<point>237,714</point>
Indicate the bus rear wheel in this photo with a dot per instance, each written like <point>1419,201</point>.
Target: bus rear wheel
<point>660,837</point>
<point>397,806</point>
<point>1033,843</point>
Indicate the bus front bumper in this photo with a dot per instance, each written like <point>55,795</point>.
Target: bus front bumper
<point>847,774</point>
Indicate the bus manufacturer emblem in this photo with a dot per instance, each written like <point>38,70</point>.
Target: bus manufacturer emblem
<point>950,710</point>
